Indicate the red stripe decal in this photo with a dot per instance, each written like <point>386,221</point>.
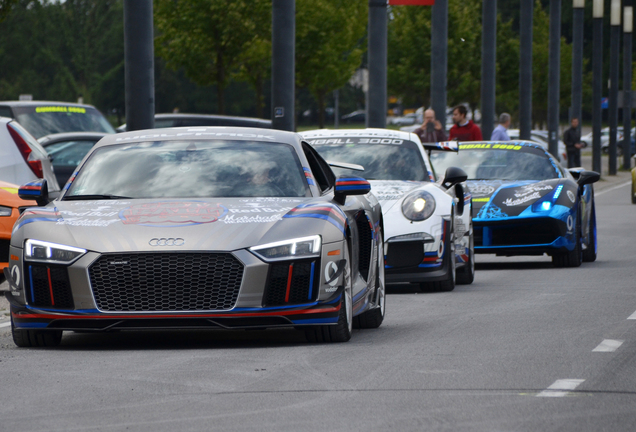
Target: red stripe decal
<point>48,272</point>
<point>150,315</point>
<point>289,281</point>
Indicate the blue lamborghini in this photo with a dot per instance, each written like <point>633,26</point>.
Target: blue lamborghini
<point>525,202</point>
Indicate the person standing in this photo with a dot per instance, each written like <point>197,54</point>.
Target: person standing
<point>501,131</point>
<point>431,130</point>
<point>572,140</point>
<point>463,129</point>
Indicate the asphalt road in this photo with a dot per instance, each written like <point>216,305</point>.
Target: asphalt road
<point>516,350</point>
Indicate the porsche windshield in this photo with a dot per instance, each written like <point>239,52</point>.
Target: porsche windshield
<point>487,163</point>
<point>401,161</point>
<point>184,169</point>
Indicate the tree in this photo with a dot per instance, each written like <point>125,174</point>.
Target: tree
<point>409,54</point>
<point>329,45</point>
<point>205,38</point>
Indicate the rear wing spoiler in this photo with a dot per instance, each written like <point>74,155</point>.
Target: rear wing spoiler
<point>442,146</point>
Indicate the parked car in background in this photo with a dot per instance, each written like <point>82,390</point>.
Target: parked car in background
<point>186,120</point>
<point>22,158</point>
<point>44,118</point>
<point>67,150</point>
<point>619,144</point>
<point>541,137</point>
<point>405,120</point>
<point>10,208</point>
<point>358,116</point>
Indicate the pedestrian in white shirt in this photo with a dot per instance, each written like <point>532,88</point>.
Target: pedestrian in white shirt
<point>501,131</point>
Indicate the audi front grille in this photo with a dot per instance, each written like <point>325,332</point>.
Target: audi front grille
<point>161,282</point>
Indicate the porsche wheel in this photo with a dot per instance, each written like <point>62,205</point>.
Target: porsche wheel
<point>466,274</point>
<point>374,317</point>
<point>341,332</point>
<point>589,254</point>
<point>35,338</point>
<point>572,258</point>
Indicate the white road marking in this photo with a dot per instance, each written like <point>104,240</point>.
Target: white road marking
<point>613,188</point>
<point>560,387</point>
<point>5,324</point>
<point>632,316</point>
<point>608,345</point>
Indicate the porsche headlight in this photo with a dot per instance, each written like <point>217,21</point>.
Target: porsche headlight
<point>5,211</point>
<point>418,206</point>
<point>41,251</point>
<point>304,247</point>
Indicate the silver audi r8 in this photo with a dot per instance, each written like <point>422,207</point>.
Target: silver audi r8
<point>189,228</point>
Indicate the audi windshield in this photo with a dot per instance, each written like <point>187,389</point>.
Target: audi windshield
<point>186,169</point>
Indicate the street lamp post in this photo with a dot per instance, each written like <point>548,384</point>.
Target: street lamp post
<point>439,59</point>
<point>578,10</point>
<point>628,24</point>
<point>525,69</point>
<point>139,61</point>
<point>488,66</point>
<point>554,73</point>
<point>283,65</point>
<point>597,66</point>
<point>615,22</point>
<point>377,55</point>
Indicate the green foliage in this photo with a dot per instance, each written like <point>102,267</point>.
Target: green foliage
<point>61,51</point>
<point>207,38</point>
<point>329,44</point>
<point>5,8</point>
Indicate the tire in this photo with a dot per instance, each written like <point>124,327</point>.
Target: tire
<point>35,338</point>
<point>589,254</point>
<point>341,332</point>
<point>572,258</point>
<point>466,274</point>
<point>373,318</point>
<point>448,283</point>
<point>633,192</point>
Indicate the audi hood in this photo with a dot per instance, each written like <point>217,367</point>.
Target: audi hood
<point>211,224</point>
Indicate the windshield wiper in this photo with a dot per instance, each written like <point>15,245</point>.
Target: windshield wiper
<point>93,197</point>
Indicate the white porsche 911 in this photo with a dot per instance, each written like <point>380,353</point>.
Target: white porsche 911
<point>427,220</point>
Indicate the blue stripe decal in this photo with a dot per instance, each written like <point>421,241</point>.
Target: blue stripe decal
<point>352,187</point>
<point>318,216</point>
<point>29,192</point>
<point>31,280</point>
<point>310,181</point>
<point>43,219</point>
<point>274,308</point>
<point>429,265</point>
<point>31,325</point>
<point>317,321</point>
<point>366,288</point>
<point>336,300</point>
<point>311,279</point>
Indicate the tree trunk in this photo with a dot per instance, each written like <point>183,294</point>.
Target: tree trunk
<point>220,83</point>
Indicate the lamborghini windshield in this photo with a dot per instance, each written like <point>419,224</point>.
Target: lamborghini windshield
<point>485,162</point>
<point>183,169</point>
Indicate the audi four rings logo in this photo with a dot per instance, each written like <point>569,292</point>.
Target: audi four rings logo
<point>166,242</point>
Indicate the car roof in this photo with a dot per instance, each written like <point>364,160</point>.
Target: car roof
<point>40,103</point>
<point>368,132</point>
<point>204,133</point>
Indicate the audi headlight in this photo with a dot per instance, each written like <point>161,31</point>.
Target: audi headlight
<point>52,253</point>
<point>305,247</point>
<point>418,206</point>
<point>5,211</point>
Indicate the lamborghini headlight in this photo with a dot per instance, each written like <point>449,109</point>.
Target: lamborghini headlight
<point>52,253</point>
<point>305,247</point>
<point>418,206</point>
<point>5,211</point>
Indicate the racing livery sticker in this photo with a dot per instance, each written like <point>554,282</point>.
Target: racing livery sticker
<point>172,213</point>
